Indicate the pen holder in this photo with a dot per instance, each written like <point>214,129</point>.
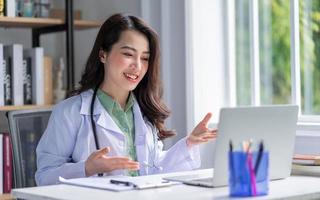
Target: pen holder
<point>244,179</point>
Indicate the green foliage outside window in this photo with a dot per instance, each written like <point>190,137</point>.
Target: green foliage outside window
<point>275,57</point>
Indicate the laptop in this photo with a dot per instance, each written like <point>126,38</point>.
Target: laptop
<point>274,125</point>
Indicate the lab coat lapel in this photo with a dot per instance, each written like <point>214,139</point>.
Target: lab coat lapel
<point>141,131</point>
<point>104,120</point>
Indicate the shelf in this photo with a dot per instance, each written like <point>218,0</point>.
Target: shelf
<point>30,22</point>
<point>24,107</point>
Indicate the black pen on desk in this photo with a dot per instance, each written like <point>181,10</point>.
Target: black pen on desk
<point>259,156</point>
<point>126,183</point>
<point>231,154</point>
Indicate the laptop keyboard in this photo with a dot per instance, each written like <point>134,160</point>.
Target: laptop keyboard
<point>184,177</point>
<point>196,178</point>
<point>204,180</point>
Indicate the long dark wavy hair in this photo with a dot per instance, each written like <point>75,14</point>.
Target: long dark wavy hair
<point>149,91</point>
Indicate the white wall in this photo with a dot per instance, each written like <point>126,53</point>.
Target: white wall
<point>206,65</point>
<point>206,46</point>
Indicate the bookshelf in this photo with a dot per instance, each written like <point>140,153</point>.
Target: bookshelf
<point>6,197</point>
<point>41,26</point>
<point>24,107</point>
<point>29,22</point>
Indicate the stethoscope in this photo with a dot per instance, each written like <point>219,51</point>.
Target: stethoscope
<point>94,129</point>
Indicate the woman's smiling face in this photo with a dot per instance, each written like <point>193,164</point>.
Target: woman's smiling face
<point>126,63</point>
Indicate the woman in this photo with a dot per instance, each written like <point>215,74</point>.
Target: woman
<point>115,122</point>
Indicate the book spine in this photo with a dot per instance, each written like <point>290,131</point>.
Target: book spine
<point>7,164</point>
<point>17,75</point>
<point>7,82</point>
<point>10,8</point>
<point>1,8</point>
<point>48,90</point>
<point>39,75</point>
<point>2,70</point>
<point>1,163</point>
<point>27,81</point>
<point>36,56</point>
<point>13,54</point>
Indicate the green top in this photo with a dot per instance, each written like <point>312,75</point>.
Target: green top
<point>124,119</point>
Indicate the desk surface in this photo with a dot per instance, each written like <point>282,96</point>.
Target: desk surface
<point>294,187</point>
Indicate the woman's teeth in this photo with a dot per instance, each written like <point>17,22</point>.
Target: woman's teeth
<point>131,76</point>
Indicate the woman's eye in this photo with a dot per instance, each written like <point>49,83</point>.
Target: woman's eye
<point>145,59</point>
<point>127,54</point>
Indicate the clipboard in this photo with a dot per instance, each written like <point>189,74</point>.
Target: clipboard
<point>124,183</point>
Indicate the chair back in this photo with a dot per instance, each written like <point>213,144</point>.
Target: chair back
<point>26,128</point>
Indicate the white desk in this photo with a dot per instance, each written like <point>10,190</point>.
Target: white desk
<point>295,187</point>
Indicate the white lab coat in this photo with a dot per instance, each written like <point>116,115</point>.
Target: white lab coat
<point>68,141</point>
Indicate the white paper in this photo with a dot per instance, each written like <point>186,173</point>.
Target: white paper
<point>95,182</point>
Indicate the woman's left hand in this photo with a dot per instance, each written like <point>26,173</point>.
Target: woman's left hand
<point>201,133</point>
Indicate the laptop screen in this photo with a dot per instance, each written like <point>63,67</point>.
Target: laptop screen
<point>274,125</point>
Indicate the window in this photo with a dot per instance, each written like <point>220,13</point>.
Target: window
<point>277,53</point>
<point>310,56</point>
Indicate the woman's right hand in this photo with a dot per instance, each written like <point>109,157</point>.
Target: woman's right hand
<point>99,162</point>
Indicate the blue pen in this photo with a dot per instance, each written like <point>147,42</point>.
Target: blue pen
<point>260,153</point>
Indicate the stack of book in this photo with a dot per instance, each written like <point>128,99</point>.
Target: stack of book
<point>306,164</point>
<point>25,76</point>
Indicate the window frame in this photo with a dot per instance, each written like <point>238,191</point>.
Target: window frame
<point>305,122</point>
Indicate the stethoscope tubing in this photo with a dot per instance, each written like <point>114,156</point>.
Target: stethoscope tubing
<point>94,130</point>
